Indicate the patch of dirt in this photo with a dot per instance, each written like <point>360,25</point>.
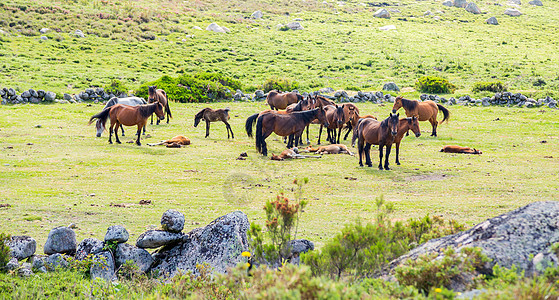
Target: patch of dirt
<point>125,205</point>
<point>5,205</point>
<point>145,202</point>
<point>427,177</point>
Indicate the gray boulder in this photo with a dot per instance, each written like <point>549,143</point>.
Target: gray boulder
<point>492,21</point>
<point>25,270</point>
<point>55,261</point>
<point>26,94</point>
<point>448,3</point>
<point>22,247</point>
<point>295,26</point>
<point>50,96</point>
<point>67,97</point>
<point>61,240</point>
<point>172,221</point>
<point>382,13</point>
<point>515,2</point>
<point>12,264</point>
<point>34,93</point>
<point>44,30</point>
<point>37,262</point>
<point>460,3</point>
<point>513,12</point>
<point>79,33</point>
<point>472,8</point>
<point>215,28</point>
<point>87,247</point>
<point>116,233</point>
<point>509,239</point>
<point>103,266</point>
<point>140,257</point>
<point>536,3</point>
<point>256,15</point>
<point>158,238</point>
<point>219,245</point>
<point>41,93</point>
<point>390,86</point>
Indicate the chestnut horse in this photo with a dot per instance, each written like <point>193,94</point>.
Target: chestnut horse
<point>299,106</point>
<point>159,95</point>
<point>373,132</point>
<point>278,100</point>
<point>290,125</point>
<point>132,101</point>
<point>129,116</point>
<point>460,149</point>
<point>336,120</point>
<point>403,127</point>
<point>426,110</point>
<point>214,115</point>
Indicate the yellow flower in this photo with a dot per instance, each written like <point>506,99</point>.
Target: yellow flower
<point>458,293</point>
<point>438,290</point>
<point>247,265</point>
<point>246,254</point>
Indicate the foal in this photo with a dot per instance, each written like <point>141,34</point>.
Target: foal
<point>213,115</point>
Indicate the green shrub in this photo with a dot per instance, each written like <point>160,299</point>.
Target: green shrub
<point>115,87</point>
<point>491,86</point>
<point>434,85</point>
<point>428,271</point>
<point>4,251</point>
<point>280,84</point>
<point>539,82</point>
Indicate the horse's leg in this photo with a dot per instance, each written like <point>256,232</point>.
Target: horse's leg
<point>397,153</point>
<point>138,134</point>
<point>434,125</point>
<point>117,124</point>
<point>319,134</point>
<point>380,146</point>
<point>151,123</point>
<point>360,150</point>
<point>388,147</point>
<point>168,113</point>
<point>349,129</point>
<point>110,134</point>
<point>229,129</point>
<point>339,134</point>
<point>264,145</point>
<point>208,128</point>
<point>308,141</point>
<point>122,129</point>
<point>144,130</point>
<point>367,150</point>
<point>290,143</point>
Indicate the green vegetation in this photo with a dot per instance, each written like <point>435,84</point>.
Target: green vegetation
<point>115,87</point>
<point>492,86</point>
<point>4,251</point>
<point>279,84</point>
<point>434,85</point>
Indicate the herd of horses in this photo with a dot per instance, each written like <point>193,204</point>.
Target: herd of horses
<point>289,115</point>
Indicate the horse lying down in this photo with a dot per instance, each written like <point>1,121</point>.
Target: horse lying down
<point>330,149</point>
<point>459,149</point>
<point>291,153</point>
<point>176,142</point>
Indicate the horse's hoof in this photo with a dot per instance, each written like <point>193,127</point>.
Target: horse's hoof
<point>118,142</point>
<point>398,163</point>
<point>139,144</point>
<point>380,167</point>
<point>110,143</point>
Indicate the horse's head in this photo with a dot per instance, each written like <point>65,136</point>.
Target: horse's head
<point>413,124</point>
<point>340,115</point>
<point>393,122</point>
<point>397,104</point>
<point>321,116</point>
<point>159,110</point>
<point>477,151</point>
<point>151,92</point>
<point>352,114</point>
<point>99,127</point>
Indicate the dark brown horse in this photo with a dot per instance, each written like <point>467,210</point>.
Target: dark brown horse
<point>426,110</point>
<point>352,116</point>
<point>159,95</point>
<point>336,120</point>
<point>128,116</point>
<point>290,125</point>
<point>373,132</point>
<point>278,100</point>
<point>213,115</point>
<point>299,106</point>
<point>403,127</point>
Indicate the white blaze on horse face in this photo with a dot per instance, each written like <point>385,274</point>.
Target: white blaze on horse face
<point>100,128</point>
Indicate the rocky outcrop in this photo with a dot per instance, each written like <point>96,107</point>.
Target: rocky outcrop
<point>522,238</point>
<point>156,238</point>
<point>103,266</point>
<point>215,28</point>
<point>61,240</point>
<point>116,234</point>
<point>87,247</point>
<point>172,221</point>
<point>22,247</point>
<point>513,12</point>
<point>382,13</point>
<point>138,256</point>
<point>219,245</point>
<point>390,86</point>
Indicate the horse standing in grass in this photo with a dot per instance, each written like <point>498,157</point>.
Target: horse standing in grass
<point>132,101</point>
<point>299,106</point>
<point>403,127</point>
<point>159,95</point>
<point>373,132</point>
<point>213,115</point>
<point>278,100</point>
<point>285,125</point>
<point>336,121</point>
<point>426,110</point>
<point>129,116</point>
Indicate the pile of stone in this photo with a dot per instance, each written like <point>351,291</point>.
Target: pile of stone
<point>92,94</point>
<point>505,99</point>
<point>10,96</point>
<point>240,96</point>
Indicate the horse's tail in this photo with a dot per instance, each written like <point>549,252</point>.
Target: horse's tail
<point>356,132</point>
<point>102,116</point>
<point>249,123</point>
<point>259,136</point>
<point>167,108</point>
<point>445,111</point>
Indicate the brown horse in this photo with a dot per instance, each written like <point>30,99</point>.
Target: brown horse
<point>373,132</point>
<point>336,120</point>
<point>213,115</point>
<point>426,110</point>
<point>291,154</point>
<point>459,149</point>
<point>278,100</point>
<point>290,125</point>
<point>300,106</point>
<point>330,149</point>
<point>128,116</point>
<point>159,95</point>
<point>403,127</point>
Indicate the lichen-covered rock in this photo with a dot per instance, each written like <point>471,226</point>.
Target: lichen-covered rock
<point>37,262</point>
<point>61,240</point>
<point>509,239</point>
<point>390,86</point>
<point>12,264</point>
<point>513,12</point>
<point>473,8</point>
<point>103,266</point>
<point>55,261</point>
<point>22,247</point>
<point>492,21</point>
<point>256,15</point>
<point>172,221</point>
<point>116,233</point>
<point>25,270</point>
<point>139,256</point>
<point>219,245</point>
<point>87,247</point>
<point>382,13</point>
<point>158,238</point>
<point>215,28</point>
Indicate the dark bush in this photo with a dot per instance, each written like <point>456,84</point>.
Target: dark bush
<point>280,84</point>
<point>115,87</point>
<point>539,82</point>
<point>492,86</point>
<point>434,85</point>
<point>4,251</point>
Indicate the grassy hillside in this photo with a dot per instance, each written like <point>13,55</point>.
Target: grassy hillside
<point>341,45</point>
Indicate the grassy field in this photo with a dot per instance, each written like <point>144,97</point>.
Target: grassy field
<point>54,171</point>
<point>340,47</point>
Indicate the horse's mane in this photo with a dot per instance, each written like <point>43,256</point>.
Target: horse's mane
<point>307,115</point>
<point>111,102</point>
<point>147,109</point>
<point>200,114</point>
<point>299,106</point>
<point>409,104</point>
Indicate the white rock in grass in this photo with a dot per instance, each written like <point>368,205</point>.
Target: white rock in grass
<point>513,12</point>
<point>472,8</point>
